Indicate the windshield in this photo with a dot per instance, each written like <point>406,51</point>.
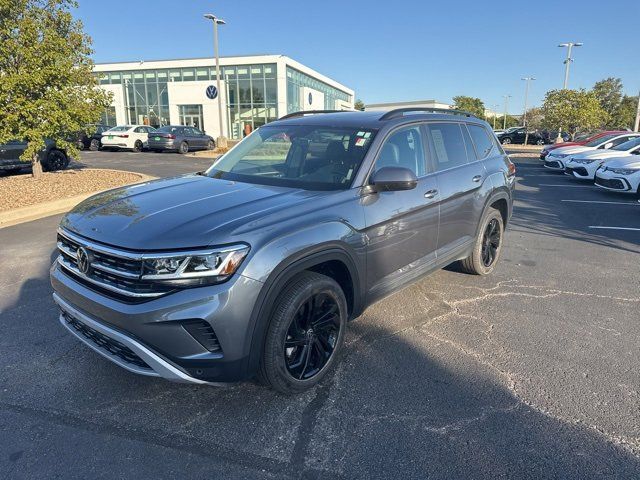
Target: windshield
<point>599,141</point>
<point>312,157</point>
<point>628,145</point>
<point>122,128</point>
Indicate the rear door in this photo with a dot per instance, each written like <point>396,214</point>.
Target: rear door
<point>459,176</point>
<point>402,226</point>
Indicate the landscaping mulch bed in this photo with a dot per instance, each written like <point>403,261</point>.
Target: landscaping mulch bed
<point>24,190</point>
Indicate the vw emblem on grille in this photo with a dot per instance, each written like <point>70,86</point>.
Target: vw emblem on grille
<point>82,257</point>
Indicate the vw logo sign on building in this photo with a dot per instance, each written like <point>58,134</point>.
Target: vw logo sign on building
<point>212,92</point>
<point>310,99</point>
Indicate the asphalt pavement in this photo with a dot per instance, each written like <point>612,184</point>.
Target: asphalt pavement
<point>531,372</point>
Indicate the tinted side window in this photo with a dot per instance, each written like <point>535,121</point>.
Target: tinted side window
<point>448,145</point>
<point>620,140</point>
<point>481,139</point>
<point>404,148</point>
<point>140,130</point>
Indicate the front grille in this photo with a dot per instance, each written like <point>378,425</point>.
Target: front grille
<point>552,164</point>
<point>203,333</point>
<point>106,343</point>
<point>113,274</point>
<point>615,183</point>
<point>579,170</point>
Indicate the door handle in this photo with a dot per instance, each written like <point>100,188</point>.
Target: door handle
<point>431,194</point>
<point>477,178</point>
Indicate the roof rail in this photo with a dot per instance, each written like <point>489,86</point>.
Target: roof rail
<point>399,112</point>
<point>302,113</point>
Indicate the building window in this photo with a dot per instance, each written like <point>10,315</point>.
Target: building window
<point>109,117</point>
<point>297,80</point>
<point>191,116</point>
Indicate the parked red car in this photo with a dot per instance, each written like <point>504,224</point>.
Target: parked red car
<point>545,151</point>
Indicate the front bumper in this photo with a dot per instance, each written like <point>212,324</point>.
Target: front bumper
<point>612,181</point>
<point>581,171</point>
<point>153,337</point>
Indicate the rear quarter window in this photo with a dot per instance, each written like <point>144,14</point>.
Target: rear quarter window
<point>481,139</point>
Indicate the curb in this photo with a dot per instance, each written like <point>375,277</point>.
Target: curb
<point>42,210</point>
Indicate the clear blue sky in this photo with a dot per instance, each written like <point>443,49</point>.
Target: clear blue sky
<point>391,50</point>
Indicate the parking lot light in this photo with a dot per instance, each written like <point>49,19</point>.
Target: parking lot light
<point>526,97</point>
<point>221,141</point>
<point>568,60</point>
<point>506,103</point>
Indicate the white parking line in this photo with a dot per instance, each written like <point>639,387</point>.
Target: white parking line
<point>615,228</point>
<point>602,201</point>
<point>565,186</point>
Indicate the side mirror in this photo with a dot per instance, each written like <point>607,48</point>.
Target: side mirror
<point>391,179</point>
<point>608,145</point>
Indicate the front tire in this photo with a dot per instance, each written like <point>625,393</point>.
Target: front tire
<point>488,245</point>
<point>211,145</point>
<point>305,334</point>
<point>506,141</point>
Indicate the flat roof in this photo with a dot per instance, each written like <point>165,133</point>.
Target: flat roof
<point>224,62</point>
<point>414,103</point>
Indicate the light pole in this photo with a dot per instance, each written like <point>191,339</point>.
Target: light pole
<point>506,103</point>
<point>221,140</point>
<point>568,60</point>
<point>524,114</point>
<point>636,125</point>
<point>495,114</point>
<point>567,63</point>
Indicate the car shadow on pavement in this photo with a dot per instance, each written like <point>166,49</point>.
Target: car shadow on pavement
<point>403,403</point>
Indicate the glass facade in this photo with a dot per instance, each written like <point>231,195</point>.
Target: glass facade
<point>297,80</point>
<point>191,115</point>
<point>252,95</point>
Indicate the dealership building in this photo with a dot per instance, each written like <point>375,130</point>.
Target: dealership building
<point>255,90</point>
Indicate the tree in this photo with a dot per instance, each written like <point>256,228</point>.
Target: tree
<point>511,121</point>
<point>535,118</point>
<point>359,105</point>
<point>572,110</point>
<point>609,95</point>
<point>626,116</point>
<point>47,87</point>
<point>469,104</point>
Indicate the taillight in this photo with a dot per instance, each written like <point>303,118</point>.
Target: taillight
<point>124,136</point>
<point>512,169</point>
<point>171,136</point>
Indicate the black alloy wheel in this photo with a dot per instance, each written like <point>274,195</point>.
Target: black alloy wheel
<point>491,242</point>
<point>312,336</point>
<point>211,145</point>
<point>56,160</point>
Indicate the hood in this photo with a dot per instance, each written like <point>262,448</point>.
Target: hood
<point>602,154</point>
<point>572,150</point>
<point>182,212</point>
<point>630,161</point>
<point>555,146</point>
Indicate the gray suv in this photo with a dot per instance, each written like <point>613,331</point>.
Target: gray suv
<point>255,266</point>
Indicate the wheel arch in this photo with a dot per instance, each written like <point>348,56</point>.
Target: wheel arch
<point>501,200</point>
<point>330,259</point>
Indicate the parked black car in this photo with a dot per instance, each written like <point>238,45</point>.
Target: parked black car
<point>179,138</point>
<point>517,135</point>
<point>51,157</point>
<point>92,142</point>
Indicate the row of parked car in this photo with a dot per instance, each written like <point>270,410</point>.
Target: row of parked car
<point>178,138</point>
<point>520,135</point>
<point>610,159</point>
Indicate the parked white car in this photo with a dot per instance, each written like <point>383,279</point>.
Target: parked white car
<point>620,174</point>
<point>556,160</point>
<point>584,165</point>
<point>133,137</point>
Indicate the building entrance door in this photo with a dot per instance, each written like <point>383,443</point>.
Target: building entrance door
<point>191,116</point>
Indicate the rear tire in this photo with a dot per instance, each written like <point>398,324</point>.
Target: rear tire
<point>488,245</point>
<point>95,145</point>
<point>56,160</point>
<point>183,148</point>
<point>211,145</point>
<point>305,334</point>
<point>137,146</point>
<point>506,141</point>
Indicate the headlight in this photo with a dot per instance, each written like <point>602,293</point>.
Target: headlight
<point>623,171</point>
<point>558,155</point>
<point>194,267</point>
<point>584,161</point>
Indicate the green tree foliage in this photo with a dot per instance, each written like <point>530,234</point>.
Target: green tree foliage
<point>535,118</point>
<point>469,104</point>
<point>47,88</point>
<point>626,113</point>
<point>511,121</point>
<point>358,105</point>
<point>609,94</point>
<point>572,110</point>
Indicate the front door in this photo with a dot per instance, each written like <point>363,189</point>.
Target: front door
<point>402,227</point>
<point>460,176</point>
